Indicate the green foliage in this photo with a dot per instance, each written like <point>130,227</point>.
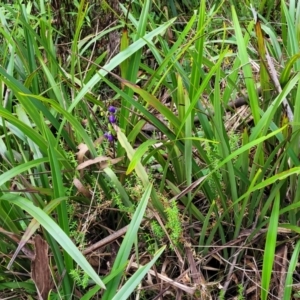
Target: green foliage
<point>174,223</point>
<point>241,292</point>
<point>157,230</point>
<point>204,171</point>
<point>80,278</point>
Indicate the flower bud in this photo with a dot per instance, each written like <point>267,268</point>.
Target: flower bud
<point>112,119</point>
<point>112,109</point>
<point>109,137</point>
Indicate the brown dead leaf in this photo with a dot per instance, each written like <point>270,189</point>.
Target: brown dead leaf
<point>83,149</point>
<point>280,268</point>
<point>21,247</point>
<point>189,188</point>
<point>104,162</point>
<point>98,141</point>
<point>164,278</point>
<point>196,275</point>
<point>87,163</point>
<point>40,271</point>
<point>81,188</point>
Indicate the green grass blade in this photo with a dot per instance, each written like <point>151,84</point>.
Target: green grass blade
<point>127,243</point>
<point>115,62</point>
<point>56,232</point>
<point>121,190</point>
<point>138,154</point>
<point>249,80</point>
<point>137,277</point>
<point>188,149</point>
<point>270,248</point>
<point>5,177</point>
<point>287,294</point>
<point>60,191</point>
<point>134,62</point>
<point>199,49</point>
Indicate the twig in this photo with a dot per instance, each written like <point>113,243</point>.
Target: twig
<point>277,85</point>
<point>109,239</point>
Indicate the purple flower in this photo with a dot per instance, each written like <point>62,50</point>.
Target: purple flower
<point>112,109</point>
<point>112,119</point>
<point>109,137</point>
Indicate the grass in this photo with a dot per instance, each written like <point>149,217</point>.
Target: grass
<point>139,160</point>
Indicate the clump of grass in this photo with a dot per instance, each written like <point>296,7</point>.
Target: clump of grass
<point>174,223</point>
<point>229,186</point>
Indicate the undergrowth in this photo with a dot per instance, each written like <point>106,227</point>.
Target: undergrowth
<point>152,152</point>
